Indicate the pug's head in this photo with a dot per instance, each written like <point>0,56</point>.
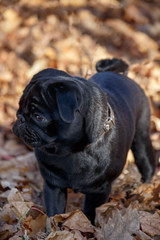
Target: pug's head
<point>49,115</point>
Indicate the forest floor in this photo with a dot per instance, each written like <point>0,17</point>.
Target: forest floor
<point>72,35</point>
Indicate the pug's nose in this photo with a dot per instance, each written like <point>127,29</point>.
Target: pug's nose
<point>21,118</point>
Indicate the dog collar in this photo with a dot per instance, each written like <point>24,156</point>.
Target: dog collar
<point>110,121</point>
<point>108,124</point>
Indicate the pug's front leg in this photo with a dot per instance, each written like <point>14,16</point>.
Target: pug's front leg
<point>92,201</point>
<point>55,199</point>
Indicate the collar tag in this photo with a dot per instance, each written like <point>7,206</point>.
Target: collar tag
<point>110,121</point>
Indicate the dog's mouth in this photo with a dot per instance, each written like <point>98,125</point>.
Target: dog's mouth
<point>31,137</point>
<point>27,134</point>
<point>49,145</point>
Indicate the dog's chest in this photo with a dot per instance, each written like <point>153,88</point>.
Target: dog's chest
<point>74,172</point>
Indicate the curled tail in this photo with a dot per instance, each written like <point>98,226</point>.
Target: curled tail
<point>112,65</point>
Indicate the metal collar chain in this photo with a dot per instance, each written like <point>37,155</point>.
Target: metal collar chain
<point>110,121</point>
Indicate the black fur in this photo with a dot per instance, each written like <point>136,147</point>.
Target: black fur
<point>63,118</point>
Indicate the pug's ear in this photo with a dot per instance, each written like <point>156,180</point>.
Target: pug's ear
<point>68,98</point>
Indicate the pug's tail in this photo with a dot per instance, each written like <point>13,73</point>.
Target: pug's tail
<point>112,65</point>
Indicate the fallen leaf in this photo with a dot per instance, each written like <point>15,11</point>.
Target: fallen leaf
<point>132,13</point>
<point>120,225</point>
<point>7,215</point>
<point>21,208</point>
<point>6,231</point>
<point>150,223</point>
<point>115,228</point>
<point>17,203</point>
<point>72,36</point>
<point>75,220</point>
<point>64,235</point>
<point>35,225</point>
<point>15,196</point>
<point>18,235</point>
<point>104,212</point>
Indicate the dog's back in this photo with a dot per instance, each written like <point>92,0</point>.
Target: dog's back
<point>131,108</point>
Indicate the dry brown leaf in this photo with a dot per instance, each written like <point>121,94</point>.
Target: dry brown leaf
<point>7,215</point>
<point>104,212</point>
<point>14,196</point>
<point>21,208</point>
<point>35,225</point>
<point>121,225</point>
<point>11,21</point>
<point>64,235</point>
<point>115,228</point>
<point>17,236</point>
<point>132,13</point>
<point>78,221</point>
<point>75,220</point>
<point>61,217</point>
<point>146,193</point>
<point>8,184</point>
<point>74,3</point>
<point>138,37</point>
<point>72,35</point>
<point>157,122</point>
<point>155,137</point>
<point>6,76</point>
<point>6,231</point>
<point>17,202</point>
<point>150,223</point>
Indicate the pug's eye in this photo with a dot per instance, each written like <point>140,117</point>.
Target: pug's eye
<point>39,118</point>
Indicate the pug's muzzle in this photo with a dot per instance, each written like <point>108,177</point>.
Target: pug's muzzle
<point>26,133</point>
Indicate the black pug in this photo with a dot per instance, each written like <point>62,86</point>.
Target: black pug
<point>82,130</point>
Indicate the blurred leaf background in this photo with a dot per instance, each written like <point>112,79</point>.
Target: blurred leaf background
<point>72,35</point>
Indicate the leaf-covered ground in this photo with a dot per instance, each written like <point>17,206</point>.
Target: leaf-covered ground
<point>72,35</point>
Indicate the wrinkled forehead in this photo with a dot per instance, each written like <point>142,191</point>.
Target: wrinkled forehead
<point>37,91</point>
<point>34,93</point>
<point>40,84</point>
